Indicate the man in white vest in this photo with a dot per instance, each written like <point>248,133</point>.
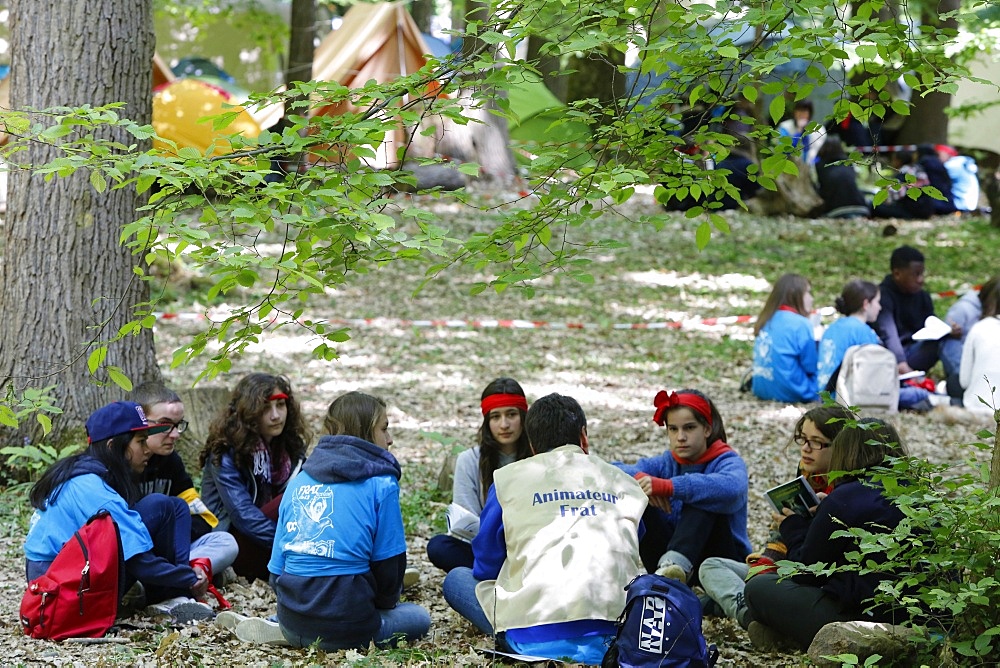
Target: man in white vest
<point>558,542</point>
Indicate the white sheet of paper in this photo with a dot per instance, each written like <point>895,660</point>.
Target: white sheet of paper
<point>934,328</point>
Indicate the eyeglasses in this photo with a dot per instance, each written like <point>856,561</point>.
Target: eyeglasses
<point>812,444</point>
<point>180,426</point>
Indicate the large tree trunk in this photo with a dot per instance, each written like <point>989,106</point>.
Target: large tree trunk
<point>66,284</point>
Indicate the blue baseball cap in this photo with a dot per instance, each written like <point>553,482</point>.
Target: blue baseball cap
<point>121,417</point>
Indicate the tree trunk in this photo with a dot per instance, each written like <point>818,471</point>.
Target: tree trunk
<point>550,67</point>
<point>66,284</point>
<point>422,12</point>
<point>300,42</point>
<point>486,140</point>
<point>597,75</point>
<point>201,405</point>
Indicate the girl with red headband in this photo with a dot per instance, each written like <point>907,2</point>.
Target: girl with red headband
<point>784,347</point>
<point>502,440</point>
<point>697,489</point>
<point>254,447</point>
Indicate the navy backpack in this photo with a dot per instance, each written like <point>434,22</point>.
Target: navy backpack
<point>660,626</point>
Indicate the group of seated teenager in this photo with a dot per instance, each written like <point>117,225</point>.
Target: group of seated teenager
<point>789,365</point>
<point>559,511</point>
<point>327,528</point>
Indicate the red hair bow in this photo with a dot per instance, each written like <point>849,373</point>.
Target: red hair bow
<point>664,401</point>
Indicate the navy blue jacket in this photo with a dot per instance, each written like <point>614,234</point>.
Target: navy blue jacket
<point>852,503</point>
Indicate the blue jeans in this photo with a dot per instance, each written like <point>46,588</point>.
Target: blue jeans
<point>460,592</point>
<point>408,621</point>
<point>168,520</point>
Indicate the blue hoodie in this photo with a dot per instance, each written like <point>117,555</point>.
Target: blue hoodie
<point>339,549</point>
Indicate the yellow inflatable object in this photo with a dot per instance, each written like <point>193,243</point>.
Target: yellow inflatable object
<point>178,110</point>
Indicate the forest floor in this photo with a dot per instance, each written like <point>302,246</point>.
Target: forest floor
<point>431,377</point>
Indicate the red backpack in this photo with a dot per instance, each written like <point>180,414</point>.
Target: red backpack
<point>78,595</point>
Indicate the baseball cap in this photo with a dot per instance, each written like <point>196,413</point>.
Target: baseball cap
<point>121,417</point>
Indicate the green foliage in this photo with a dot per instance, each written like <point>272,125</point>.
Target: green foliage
<point>33,401</point>
<point>219,215</point>
<point>422,502</point>
<point>35,459</point>
<point>849,660</point>
<point>941,559</point>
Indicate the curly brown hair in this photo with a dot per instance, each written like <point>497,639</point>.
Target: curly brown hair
<point>236,426</point>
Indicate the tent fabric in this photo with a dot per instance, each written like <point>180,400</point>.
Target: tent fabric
<point>380,42</point>
<point>178,110</point>
<point>535,108</point>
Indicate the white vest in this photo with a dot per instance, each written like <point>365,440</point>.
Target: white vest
<point>571,526</point>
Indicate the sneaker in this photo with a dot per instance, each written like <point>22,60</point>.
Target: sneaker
<point>261,631</point>
<point>765,639</point>
<point>228,619</point>
<point>673,571</point>
<point>192,611</point>
<point>410,578</point>
<point>226,577</point>
<point>742,611</point>
<point>182,610</point>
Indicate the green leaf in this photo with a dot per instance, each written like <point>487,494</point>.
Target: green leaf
<point>119,378</point>
<point>776,109</point>
<point>96,358</point>
<point>703,235</point>
<point>97,181</point>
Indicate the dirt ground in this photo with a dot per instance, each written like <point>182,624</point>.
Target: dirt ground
<point>431,378</point>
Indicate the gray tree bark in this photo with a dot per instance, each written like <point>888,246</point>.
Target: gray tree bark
<point>65,282</point>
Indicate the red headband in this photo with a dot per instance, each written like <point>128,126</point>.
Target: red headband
<point>664,402</point>
<point>502,401</point>
<point>277,395</point>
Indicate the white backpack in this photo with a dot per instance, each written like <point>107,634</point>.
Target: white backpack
<point>869,378</point>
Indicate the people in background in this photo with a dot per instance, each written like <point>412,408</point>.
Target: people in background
<point>806,136</point>
<point>964,313</point>
<point>938,176</point>
<point>838,183</point>
<point>964,173</point>
<point>980,369</point>
<point>784,349</point>
<point>254,447</point>
<point>501,441</point>
<point>905,308</point>
<point>697,489</point>
<point>860,303</point>
<point>898,203</point>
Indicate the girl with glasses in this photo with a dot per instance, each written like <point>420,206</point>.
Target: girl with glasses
<point>790,611</point>
<point>724,579</point>
<point>165,473</point>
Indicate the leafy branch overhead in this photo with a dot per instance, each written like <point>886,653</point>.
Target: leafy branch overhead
<point>336,215</point>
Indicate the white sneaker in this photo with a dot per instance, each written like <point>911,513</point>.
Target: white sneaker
<point>228,619</point>
<point>262,631</point>
<point>410,578</point>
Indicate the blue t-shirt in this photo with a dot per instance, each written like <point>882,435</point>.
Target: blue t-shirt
<point>837,338</point>
<point>784,359</point>
<point>78,500</point>
<point>327,529</point>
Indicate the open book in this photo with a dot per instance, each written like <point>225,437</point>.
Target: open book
<point>934,328</point>
<point>462,523</point>
<point>796,495</point>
